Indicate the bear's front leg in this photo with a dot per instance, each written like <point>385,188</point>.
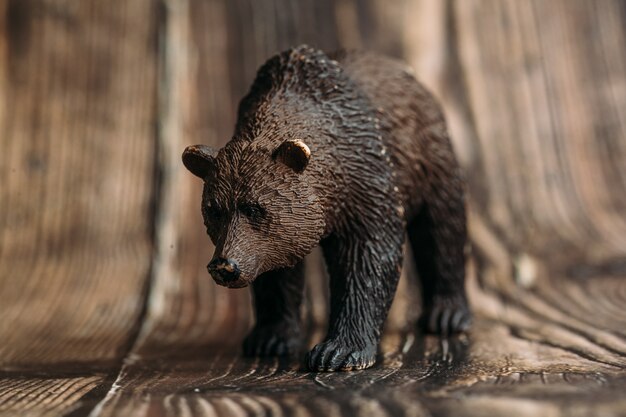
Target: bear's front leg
<point>364,275</point>
<point>277,300</point>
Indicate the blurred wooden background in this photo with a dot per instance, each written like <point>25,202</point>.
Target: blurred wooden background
<point>106,307</point>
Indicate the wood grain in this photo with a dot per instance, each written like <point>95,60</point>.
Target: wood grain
<point>551,186</point>
<point>76,115</point>
<point>535,95</point>
<point>37,396</point>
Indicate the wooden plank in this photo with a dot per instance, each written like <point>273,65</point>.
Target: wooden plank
<point>537,145</point>
<point>185,306</point>
<point>552,185</point>
<point>40,396</point>
<point>77,99</point>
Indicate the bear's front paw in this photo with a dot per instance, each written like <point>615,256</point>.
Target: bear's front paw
<point>447,315</point>
<point>334,355</point>
<point>272,340</point>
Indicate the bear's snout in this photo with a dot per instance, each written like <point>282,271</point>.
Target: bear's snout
<point>226,272</point>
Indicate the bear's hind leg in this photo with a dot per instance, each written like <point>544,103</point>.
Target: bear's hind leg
<point>277,300</point>
<point>438,235</point>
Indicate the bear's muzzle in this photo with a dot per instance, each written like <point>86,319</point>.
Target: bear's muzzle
<point>226,272</point>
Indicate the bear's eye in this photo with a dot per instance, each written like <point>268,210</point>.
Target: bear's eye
<point>253,211</point>
<point>213,210</point>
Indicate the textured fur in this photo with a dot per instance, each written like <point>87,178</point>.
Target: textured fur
<point>379,163</point>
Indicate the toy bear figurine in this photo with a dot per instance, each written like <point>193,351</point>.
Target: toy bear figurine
<point>348,151</point>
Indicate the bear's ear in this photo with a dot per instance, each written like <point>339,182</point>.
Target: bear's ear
<point>293,153</point>
<point>199,159</point>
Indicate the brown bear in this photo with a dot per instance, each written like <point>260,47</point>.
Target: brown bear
<point>348,151</point>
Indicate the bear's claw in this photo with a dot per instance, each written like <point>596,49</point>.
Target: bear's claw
<point>446,316</point>
<point>333,355</point>
<point>273,340</point>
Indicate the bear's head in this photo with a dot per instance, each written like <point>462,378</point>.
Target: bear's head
<point>258,206</point>
<point>270,192</point>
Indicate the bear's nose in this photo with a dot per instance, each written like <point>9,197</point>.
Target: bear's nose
<point>224,270</point>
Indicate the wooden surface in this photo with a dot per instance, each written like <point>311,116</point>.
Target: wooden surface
<point>106,307</point>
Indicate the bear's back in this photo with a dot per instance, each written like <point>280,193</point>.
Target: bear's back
<point>413,118</point>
